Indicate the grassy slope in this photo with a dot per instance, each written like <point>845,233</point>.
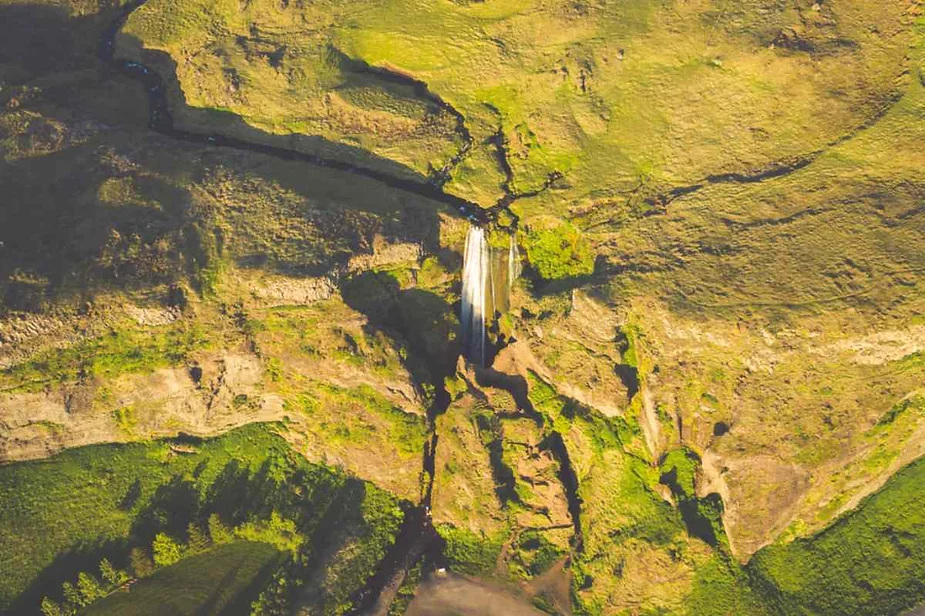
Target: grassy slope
<point>73,499</point>
<point>871,561</point>
<point>279,72</point>
<point>614,96</point>
<point>757,302</point>
<point>220,581</point>
<point>467,510</point>
<point>104,211</point>
<point>126,349</point>
<point>66,512</point>
<point>632,540</point>
<point>824,255</point>
<point>716,235</point>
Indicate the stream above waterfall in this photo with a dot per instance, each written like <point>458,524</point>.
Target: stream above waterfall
<point>161,121</point>
<point>488,274</point>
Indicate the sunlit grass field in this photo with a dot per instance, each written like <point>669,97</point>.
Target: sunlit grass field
<point>614,96</point>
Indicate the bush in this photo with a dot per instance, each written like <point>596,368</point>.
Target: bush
<point>558,250</point>
<point>89,588</point>
<point>112,577</point>
<point>141,563</point>
<point>236,481</point>
<point>218,531</point>
<point>166,550</point>
<point>50,608</point>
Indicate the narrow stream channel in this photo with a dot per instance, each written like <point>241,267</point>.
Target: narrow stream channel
<point>417,537</point>
<point>160,120</point>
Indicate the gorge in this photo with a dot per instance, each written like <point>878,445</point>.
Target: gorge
<point>365,307</point>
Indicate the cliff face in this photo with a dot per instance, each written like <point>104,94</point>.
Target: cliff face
<point>716,343</point>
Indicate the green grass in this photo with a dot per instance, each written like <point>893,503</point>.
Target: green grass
<point>628,100</point>
<point>312,332</point>
<point>378,518</point>
<point>124,350</point>
<point>722,588</point>
<point>326,94</point>
<point>67,512</point>
<point>468,552</point>
<point>77,498</point>
<point>630,537</point>
<point>365,417</point>
<point>343,382</point>
<point>406,591</point>
<point>219,581</point>
<point>869,562</point>
<point>615,96</point>
<point>558,250</point>
<point>536,554</point>
<point>682,465</point>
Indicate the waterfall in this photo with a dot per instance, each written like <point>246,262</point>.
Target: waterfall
<point>513,262</point>
<point>480,291</point>
<point>472,319</point>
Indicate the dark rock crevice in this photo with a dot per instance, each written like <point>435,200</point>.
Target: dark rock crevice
<point>553,442</point>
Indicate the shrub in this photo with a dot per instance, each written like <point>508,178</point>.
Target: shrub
<point>468,552</point>
<point>558,250</point>
<point>166,550</point>
<point>50,608</point>
<point>141,563</point>
<point>112,577</point>
<point>89,588</point>
<point>218,531</point>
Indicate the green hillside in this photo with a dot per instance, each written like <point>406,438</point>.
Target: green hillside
<point>237,365</point>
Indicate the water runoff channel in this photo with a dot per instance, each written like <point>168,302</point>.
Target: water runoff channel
<point>489,271</point>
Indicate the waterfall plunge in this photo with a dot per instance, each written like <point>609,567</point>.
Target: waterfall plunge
<point>513,263</point>
<point>480,298</point>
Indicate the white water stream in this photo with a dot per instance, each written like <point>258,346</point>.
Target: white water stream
<point>480,298</point>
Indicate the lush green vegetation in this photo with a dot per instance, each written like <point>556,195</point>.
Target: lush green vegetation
<point>558,250</point>
<point>871,561</point>
<point>404,431</point>
<point>126,349</point>
<point>702,516</point>
<point>722,588</point>
<point>468,552</point>
<point>406,591</point>
<point>67,512</point>
<point>629,535</point>
<point>216,581</point>
<point>535,553</point>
